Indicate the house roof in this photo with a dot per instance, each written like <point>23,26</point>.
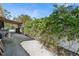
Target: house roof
<point>2,19</point>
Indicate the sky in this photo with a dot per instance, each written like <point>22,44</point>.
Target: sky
<point>35,10</point>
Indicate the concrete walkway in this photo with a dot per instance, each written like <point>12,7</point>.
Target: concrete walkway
<point>34,48</point>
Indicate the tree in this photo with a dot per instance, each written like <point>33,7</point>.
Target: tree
<point>1,11</point>
<point>4,13</point>
<point>7,14</point>
<point>24,19</point>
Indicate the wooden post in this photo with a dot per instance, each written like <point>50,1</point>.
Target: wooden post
<point>1,48</point>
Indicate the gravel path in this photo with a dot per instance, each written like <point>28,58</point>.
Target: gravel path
<point>12,45</point>
<point>20,45</point>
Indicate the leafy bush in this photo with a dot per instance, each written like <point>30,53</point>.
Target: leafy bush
<point>62,22</point>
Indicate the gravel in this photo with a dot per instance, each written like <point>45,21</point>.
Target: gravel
<point>12,46</point>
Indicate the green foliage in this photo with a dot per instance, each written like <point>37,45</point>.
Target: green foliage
<point>23,18</point>
<point>8,26</point>
<point>63,22</point>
